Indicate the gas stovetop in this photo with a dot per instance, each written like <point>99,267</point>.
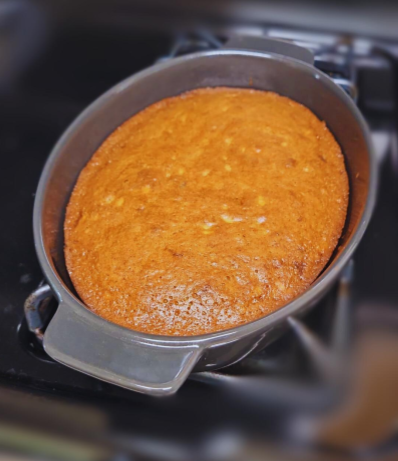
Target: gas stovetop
<point>296,394</point>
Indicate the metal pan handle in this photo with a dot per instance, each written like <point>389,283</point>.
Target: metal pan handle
<point>271,45</point>
<point>146,366</point>
<point>143,366</point>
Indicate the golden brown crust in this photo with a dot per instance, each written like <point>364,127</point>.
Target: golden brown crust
<point>206,211</point>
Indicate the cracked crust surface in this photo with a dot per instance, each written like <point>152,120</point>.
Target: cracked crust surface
<point>206,211</point>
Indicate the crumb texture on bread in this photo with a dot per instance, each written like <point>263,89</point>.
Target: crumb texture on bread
<point>206,211</point>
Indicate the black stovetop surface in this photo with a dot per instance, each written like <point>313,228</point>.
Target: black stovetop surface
<point>73,67</point>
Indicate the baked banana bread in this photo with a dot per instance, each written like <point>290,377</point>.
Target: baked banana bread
<point>206,211</point>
